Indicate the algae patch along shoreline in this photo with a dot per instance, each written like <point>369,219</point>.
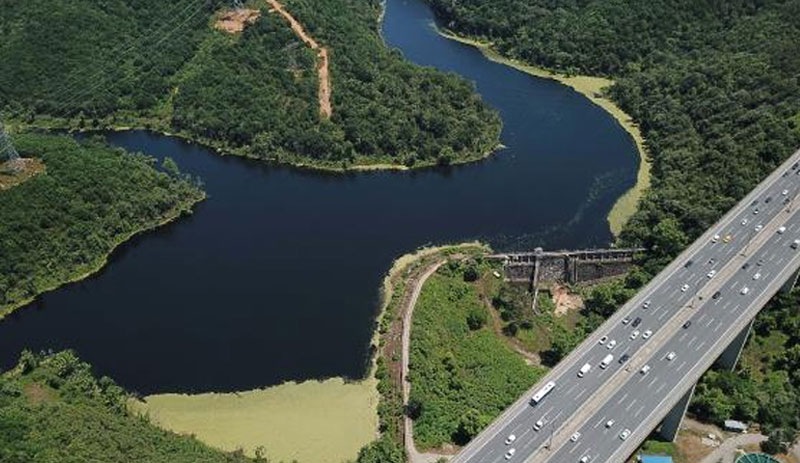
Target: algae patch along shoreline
<point>325,421</point>
<point>592,88</point>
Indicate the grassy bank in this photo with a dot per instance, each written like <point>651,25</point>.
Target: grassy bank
<point>462,373</point>
<point>311,422</point>
<point>48,241</point>
<point>592,88</point>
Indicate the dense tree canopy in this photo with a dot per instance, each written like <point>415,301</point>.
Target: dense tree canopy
<point>63,223</point>
<point>93,63</point>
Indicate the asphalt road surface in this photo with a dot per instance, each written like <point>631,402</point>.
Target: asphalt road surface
<point>686,290</point>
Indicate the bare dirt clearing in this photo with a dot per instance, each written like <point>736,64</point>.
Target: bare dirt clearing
<point>12,173</point>
<point>234,21</point>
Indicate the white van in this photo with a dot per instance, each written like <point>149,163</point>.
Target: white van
<point>584,369</point>
<point>606,361</point>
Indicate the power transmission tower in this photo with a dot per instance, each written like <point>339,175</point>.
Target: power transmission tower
<point>7,151</point>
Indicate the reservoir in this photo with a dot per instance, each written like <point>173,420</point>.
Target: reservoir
<point>276,276</point>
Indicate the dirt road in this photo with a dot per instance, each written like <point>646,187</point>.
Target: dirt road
<point>325,108</point>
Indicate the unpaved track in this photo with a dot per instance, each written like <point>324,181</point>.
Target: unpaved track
<point>414,456</point>
<point>325,107</point>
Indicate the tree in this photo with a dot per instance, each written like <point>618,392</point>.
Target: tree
<point>476,319</point>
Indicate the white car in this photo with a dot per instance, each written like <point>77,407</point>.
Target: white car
<point>635,334</point>
<point>575,437</point>
<point>757,276</point>
<point>755,211</point>
<point>611,344</point>
<point>744,221</point>
<point>510,439</point>
<point>711,274</point>
<point>603,340</point>
<point>624,434</point>
<point>646,334</point>
<point>626,320</point>
<point>715,238</point>
<point>510,453</point>
<point>785,192</point>
<point>609,423</point>
<point>759,227</point>
<point>744,290</point>
<point>646,304</point>
<point>781,230</point>
<point>671,356</point>
<point>584,459</point>
<point>538,425</point>
<point>645,369</point>
<point>684,288</point>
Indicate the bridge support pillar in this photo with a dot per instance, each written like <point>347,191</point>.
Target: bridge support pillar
<point>791,282</point>
<point>730,356</point>
<point>672,422</point>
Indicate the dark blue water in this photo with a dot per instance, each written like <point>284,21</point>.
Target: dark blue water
<point>275,277</point>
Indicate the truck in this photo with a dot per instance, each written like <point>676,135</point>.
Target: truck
<point>606,361</point>
<point>584,369</point>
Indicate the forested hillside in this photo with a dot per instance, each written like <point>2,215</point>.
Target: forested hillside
<point>98,63</point>
<point>715,87</point>
<point>61,224</point>
<point>53,410</point>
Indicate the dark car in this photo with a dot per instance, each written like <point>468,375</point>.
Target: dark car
<point>636,322</point>
<point>769,198</point>
<point>746,266</point>
<point>688,264</point>
<point>786,200</point>
<point>754,202</point>
<point>687,324</point>
<point>716,295</point>
<point>624,359</point>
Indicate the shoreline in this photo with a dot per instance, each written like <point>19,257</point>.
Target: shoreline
<point>590,87</point>
<point>180,210</point>
<point>221,412</point>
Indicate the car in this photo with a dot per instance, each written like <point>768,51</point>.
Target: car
<point>757,276</point>
<point>712,261</point>
<point>744,290</point>
<point>795,165</point>
<point>761,261</point>
<point>688,263</point>
<point>795,244</point>
<point>575,437</point>
<point>510,453</point>
<point>785,192</point>
<point>609,423</point>
<point>769,198</point>
<point>716,295</point>
<point>715,238</point>
<point>624,358</point>
<point>538,425</point>
<point>612,344</point>
<point>711,274</point>
<point>510,439</point>
<point>759,227</point>
<point>786,200</point>
<point>671,356</point>
<point>635,334</point>
<point>584,459</point>
<point>647,334</point>
<point>781,230</point>
<point>727,239</point>
<point>746,266</point>
<point>645,369</point>
<point>687,324</point>
<point>755,211</point>
<point>603,340</point>
<point>624,434</point>
<point>646,304</point>
<point>755,201</point>
<point>744,221</point>
<point>636,322</point>
<point>684,288</point>
<point>626,320</point>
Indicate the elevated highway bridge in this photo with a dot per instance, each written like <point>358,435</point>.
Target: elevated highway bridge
<point>638,370</point>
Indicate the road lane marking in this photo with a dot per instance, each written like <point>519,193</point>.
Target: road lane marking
<point>680,367</point>
<point>622,399</point>
<point>631,404</point>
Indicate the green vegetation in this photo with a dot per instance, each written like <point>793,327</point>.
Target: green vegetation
<point>462,374</point>
<point>96,64</point>
<point>61,225</point>
<point>52,410</point>
<point>340,416</point>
